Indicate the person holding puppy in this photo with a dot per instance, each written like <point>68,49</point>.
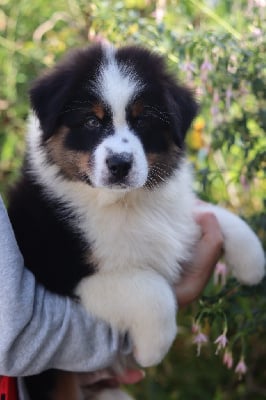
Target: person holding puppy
<point>42,330</point>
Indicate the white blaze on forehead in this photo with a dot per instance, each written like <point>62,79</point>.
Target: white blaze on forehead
<point>117,84</point>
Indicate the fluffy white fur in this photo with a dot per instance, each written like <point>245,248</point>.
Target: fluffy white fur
<point>117,85</point>
<point>139,240</point>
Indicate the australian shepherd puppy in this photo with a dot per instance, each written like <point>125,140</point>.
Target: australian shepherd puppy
<point>104,208</point>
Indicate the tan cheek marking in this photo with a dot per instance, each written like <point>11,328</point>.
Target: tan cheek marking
<point>167,157</point>
<point>72,163</point>
<point>98,110</point>
<point>84,162</point>
<point>152,158</point>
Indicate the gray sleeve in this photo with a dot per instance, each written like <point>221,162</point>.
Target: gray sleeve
<point>41,330</point>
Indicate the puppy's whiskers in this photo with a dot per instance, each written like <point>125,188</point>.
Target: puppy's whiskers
<point>158,173</point>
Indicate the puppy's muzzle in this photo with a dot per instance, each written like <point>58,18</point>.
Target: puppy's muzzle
<point>119,165</point>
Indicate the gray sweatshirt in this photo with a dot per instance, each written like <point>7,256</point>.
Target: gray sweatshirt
<point>41,330</point>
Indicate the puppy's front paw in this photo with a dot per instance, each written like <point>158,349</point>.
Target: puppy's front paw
<point>152,346</point>
<point>139,302</point>
<point>154,334</point>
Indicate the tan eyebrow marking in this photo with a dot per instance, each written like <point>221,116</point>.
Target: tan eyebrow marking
<point>137,109</point>
<point>98,110</point>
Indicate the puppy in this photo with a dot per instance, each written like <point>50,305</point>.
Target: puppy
<point>104,208</point>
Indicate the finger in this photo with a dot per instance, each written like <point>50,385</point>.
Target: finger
<point>207,221</point>
<point>211,233</point>
<point>131,376</point>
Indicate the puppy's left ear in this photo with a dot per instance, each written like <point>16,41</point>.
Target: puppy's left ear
<point>182,109</point>
<point>48,95</point>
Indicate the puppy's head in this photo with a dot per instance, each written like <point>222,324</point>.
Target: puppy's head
<point>113,118</point>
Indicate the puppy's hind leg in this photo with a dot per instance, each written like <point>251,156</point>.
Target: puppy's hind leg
<point>243,251</point>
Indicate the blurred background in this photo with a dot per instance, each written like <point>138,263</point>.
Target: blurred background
<point>216,47</point>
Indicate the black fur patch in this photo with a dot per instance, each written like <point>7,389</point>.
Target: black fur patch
<point>51,93</point>
<point>52,250</point>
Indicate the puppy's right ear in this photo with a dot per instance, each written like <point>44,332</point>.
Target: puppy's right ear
<point>48,96</point>
<point>51,92</point>
<point>182,108</point>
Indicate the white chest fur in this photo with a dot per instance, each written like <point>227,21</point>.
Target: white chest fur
<point>142,229</point>
<point>138,241</point>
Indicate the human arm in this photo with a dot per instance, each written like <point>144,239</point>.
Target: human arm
<point>41,330</point>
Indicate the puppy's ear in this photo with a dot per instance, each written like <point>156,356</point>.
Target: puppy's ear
<point>182,109</point>
<point>50,93</point>
<point>48,96</point>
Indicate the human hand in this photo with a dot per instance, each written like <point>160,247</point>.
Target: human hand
<point>107,378</point>
<point>207,252</point>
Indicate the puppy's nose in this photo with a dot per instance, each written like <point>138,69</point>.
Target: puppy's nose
<point>119,164</point>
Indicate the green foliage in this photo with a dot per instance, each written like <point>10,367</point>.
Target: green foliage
<point>218,49</point>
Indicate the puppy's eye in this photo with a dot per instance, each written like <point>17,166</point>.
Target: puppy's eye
<point>92,122</point>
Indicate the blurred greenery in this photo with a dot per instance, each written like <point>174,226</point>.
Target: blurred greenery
<point>217,47</point>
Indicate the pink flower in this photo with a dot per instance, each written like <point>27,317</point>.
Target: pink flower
<point>257,32</point>
<point>228,97</point>
<point>159,12</point>
<point>244,183</point>
<point>199,340</point>
<point>260,3</point>
<point>206,65</point>
<point>189,68</point>
<point>216,97</point>
<point>195,328</point>
<point>228,359</point>
<point>220,274</point>
<point>221,342</point>
<point>158,15</point>
<point>214,110</point>
<point>215,105</point>
<point>233,64</point>
<point>205,68</point>
<point>241,368</point>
